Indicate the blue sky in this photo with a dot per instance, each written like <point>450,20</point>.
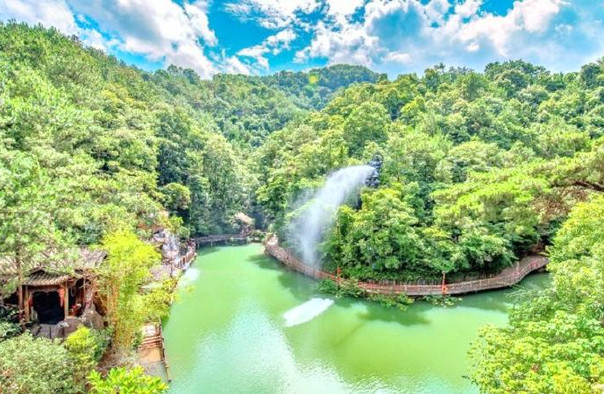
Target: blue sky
<point>264,36</point>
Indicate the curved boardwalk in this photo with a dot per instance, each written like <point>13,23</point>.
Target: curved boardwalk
<point>506,278</point>
<point>220,239</point>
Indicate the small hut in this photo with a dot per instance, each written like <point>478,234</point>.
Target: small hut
<point>56,290</point>
<point>245,223</point>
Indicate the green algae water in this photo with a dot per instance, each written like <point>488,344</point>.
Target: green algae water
<point>244,324</point>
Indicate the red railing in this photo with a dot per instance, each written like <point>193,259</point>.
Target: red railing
<point>506,278</point>
<point>182,262</point>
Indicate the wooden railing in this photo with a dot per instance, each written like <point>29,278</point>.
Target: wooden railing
<point>219,239</point>
<point>152,349</point>
<point>506,278</point>
<point>183,262</point>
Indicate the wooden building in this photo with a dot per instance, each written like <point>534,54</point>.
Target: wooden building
<point>56,290</point>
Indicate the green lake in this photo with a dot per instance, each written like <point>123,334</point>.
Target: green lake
<point>228,333</point>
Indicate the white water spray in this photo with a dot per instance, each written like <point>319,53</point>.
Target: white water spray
<point>307,311</point>
<point>308,229</point>
<point>189,277</point>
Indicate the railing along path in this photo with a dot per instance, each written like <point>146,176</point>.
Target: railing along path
<point>219,239</point>
<point>506,278</point>
<point>183,262</point>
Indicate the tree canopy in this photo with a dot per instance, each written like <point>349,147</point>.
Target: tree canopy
<point>479,169</point>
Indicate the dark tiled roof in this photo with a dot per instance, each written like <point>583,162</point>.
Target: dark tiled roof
<point>87,259</point>
<point>42,278</point>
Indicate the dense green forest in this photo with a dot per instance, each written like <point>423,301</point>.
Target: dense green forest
<point>479,170</point>
<point>128,144</point>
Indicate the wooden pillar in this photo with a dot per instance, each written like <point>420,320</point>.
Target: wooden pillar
<point>66,300</point>
<point>21,303</point>
<point>26,304</point>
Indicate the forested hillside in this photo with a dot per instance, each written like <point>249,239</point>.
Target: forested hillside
<point>110,145</point>
<point>479,169</point>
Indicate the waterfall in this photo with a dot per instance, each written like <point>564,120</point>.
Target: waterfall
<point>309,227</point>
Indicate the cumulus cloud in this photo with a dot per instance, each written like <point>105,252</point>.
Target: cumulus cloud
<point>388,35</point>
<point>198,17</point>
<point>348,43</point>
<point>49,13</point>
<point>467,8</point>
<point>161,30</point>
<point>399,57</point>
<point>274,45</point>
<point>272,14</point>
<point>343,10</point>
<point>414,34</point>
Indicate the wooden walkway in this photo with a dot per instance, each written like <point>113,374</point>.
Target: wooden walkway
<point>183,262</point>
<point>152,353</point>
<point>506,278</point>
<point>211,240</point>
<point>172,268</point>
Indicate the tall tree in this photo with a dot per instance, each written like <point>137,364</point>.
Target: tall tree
<point>29,230</point>
<point>119,279</point>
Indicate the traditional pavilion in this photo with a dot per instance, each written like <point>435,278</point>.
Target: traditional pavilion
<point>56,289</point>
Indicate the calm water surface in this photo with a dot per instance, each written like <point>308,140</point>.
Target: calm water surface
<point>228,334</point>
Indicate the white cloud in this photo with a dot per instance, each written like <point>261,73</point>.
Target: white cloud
<point>357,42</point>
<point>349,43</point>
<point>94,39</point>
<point>387,35</point>
<point>502,32</point>
<point>232,65</point>
<point>473,47</point>
<point>198,17</point>
<point>49,13</point>
<point>274,45</point>
<point>399,57</point>
<point>272,14</point>
<point>436,9</point>
<point>280,41</point>
<point>342,9</point>
<point>413,34</point>
<point>161,30</point>
<point>468,8</point>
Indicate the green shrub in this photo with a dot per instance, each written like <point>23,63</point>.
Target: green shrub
<point>35,365</point>
<point>441,300</point>
<point>9,326</point>
<point>401,301</point>
<point>85,347</point>
<point>346,288</point>
<point>8,330</point>
<point>121,380</point>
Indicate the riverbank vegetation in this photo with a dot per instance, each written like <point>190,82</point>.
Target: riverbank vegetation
<point>554,342</point>
<point>350,288</point>
<point>479,169</point>
<point>98,154</point>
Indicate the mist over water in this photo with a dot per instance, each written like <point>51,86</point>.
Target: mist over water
<point>307,230</point>
<point>189,277</point>
<point>307,311</point>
